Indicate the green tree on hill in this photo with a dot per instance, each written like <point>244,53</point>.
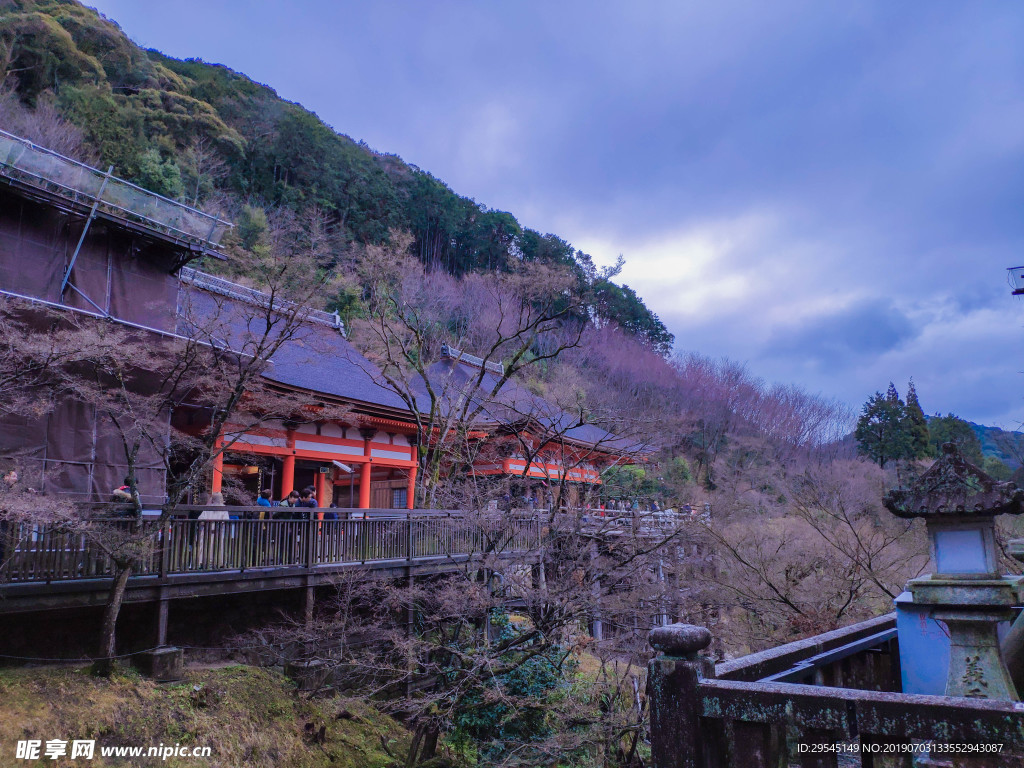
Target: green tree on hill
<point>622,305</point>
<point>916,425</point>
<point>952,429</point>
<point>881,432</point>
<point>996,468</point>
<point>159,175</point>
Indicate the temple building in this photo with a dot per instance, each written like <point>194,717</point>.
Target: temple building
<point>367,459</point>
<point>75,239</point>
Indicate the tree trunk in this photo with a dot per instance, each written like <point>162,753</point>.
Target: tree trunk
<point>108,634</point>
<point>424,742</point>
<point>430,736</point>
<point>414,747</point>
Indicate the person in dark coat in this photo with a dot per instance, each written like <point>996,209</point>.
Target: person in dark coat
<point>306,501</point>
<point>287,504</point>
<point>299,512</point>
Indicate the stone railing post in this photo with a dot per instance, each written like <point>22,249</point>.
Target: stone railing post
<point>673,677</point>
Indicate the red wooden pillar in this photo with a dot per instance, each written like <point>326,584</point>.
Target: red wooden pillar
<point>324,490</point>
<point>410,501</point>
<point>288,466</point>
<point>365,469</point>
<point>218,467</point>
<point>364,485</point>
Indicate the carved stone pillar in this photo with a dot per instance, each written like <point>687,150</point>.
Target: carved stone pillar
<point>673,678</point>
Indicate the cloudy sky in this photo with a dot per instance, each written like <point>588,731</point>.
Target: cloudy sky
<point>829,192</point>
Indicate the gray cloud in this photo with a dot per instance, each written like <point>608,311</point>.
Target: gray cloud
<point>872,327</point>
<point>757,163</point>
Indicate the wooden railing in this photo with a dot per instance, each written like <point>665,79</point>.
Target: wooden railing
<point>46,553</point>
<point>701,720</point>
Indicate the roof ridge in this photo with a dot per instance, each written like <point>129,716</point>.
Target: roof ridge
<point>458,355</point>
<point>254,296</point>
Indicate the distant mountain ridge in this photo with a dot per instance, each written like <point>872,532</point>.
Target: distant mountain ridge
<point>1007,446</point>
<point>994,442</point>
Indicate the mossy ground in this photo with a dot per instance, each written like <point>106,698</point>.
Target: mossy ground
<point>249,716</point>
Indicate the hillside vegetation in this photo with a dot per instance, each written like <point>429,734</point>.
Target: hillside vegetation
<point>1006,446</point>
<point>789,536</point>
<point>212,137</point>
<point>248,716</point>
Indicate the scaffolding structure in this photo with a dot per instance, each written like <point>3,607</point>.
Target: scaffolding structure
<point>99,193</point>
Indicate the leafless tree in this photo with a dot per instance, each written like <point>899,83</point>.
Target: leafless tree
<point>203,168</point>
<point>713,393</point>
<point>840,501</point>
<point>511,321</point>
<point>43,125</point>
<point>808,554</point>
<point>35,348</point>
<point>487,652</point>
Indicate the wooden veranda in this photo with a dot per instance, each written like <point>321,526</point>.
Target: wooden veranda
<point>52,567</point>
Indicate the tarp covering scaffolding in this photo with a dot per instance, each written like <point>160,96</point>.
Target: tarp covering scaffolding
<point>75,452</point>
<point>116,274</point>
<point>74,238</point>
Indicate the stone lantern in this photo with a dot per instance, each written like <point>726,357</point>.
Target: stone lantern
<point>967,593</point>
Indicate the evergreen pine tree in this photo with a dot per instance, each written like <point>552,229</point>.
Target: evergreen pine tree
<point>916,425</point>
<point>881,429</point>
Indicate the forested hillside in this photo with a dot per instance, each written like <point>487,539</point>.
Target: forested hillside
<point>197,132</point>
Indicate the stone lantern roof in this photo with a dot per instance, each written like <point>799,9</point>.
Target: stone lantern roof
<point>954,488</point>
